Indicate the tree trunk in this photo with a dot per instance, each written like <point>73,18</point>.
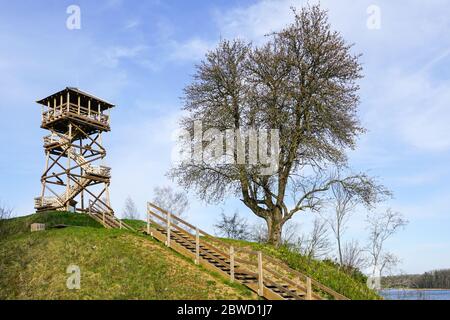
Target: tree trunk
<point>338,236</point>
<point>274,228</point>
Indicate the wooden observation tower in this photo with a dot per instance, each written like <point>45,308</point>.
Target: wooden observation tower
<point>73,180</point>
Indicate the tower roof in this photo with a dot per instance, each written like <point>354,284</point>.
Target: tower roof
<point>75,92</point>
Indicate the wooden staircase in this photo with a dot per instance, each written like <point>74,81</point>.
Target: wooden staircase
<point>61,143</point>
<point>105,218</point>
<point>268,277</point>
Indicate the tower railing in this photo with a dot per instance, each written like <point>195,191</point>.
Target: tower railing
<point>56,112</point>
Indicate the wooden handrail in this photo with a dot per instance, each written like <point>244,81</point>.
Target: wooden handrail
<point>210,237</point>
<point>203,251</point>
<point>184,231</point>
<point>314,282</point>
<point>304,278</point>
<point>74,109</point>
<point>110,218</point>
<point>238,260</point>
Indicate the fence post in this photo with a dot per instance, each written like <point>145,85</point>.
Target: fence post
<point>232,264</point>
<point>308,289</point>
<point>120,224</point>
<point>104,219</point>
<point>197,246</point>
<point>148,223</point>
<point>68,102</point>
<point>260,275</point>
<point>168,230</point>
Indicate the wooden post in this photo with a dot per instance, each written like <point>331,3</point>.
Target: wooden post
<point>81,173</point>
<point>108,198</point>
<point>120,224</point>
<point>148,223</point>
<point>260,275</point>
<point>197,246</point>
<point>68,102</point>
<point>103,213</point>
<point>79,104</point>
<point>308,289</point>
<point>68,166</point>
<point>47,155</point>
<point>232,264</point>
<point>168,229</point>
<point>48,109</point>
<point>89,108</point>
<point>61,103</point>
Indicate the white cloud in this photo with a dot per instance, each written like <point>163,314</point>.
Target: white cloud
<point>131,24</point>
<point>193,49</point>
<point>111,57</point>
<point>413,107</point>
<point>422,178</point>
<point>255,21</point>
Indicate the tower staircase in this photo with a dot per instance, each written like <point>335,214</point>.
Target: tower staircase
<point>61,144</point>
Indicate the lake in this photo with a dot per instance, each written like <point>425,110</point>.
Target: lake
<point>424,294</point>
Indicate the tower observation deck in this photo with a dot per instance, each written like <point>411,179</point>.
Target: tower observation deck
<point>73,179</point>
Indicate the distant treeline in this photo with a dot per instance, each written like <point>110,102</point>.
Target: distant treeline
<point>429,280</point>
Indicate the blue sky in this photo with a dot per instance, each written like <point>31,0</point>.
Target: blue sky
<point>140,55</point>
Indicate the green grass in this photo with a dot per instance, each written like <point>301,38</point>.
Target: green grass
<point>136,224</point>
<point>21,225</point>
<point>328,273</point>
<point>114,264</point>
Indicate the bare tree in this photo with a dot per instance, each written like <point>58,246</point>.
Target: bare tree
<point>233,226</point>
<point>343,204</point>
<point>382,226</point>
<point>170,200</point>
<point>388,263</point>
<point>302,83</point>
<point>258,232</point>
<point>353,256</point>
<point>290,233</point>
<point>5,213</point>
<point>130,210</point>
<point>315,244</point>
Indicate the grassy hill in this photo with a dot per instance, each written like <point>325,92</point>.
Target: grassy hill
<point>117,264</point>
<point>114,264</point>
